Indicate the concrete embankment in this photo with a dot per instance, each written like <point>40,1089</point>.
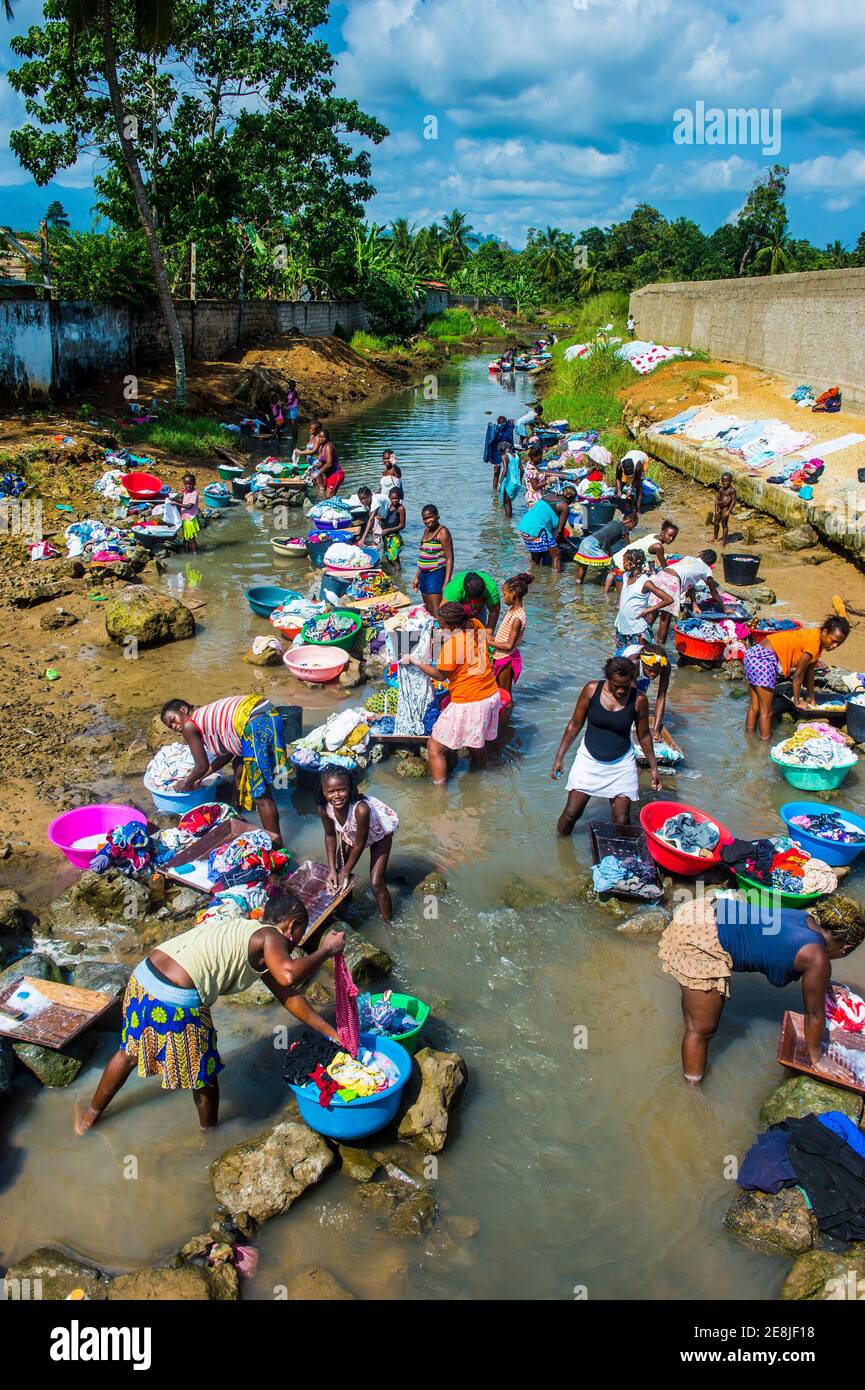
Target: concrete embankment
<point>838,517</point>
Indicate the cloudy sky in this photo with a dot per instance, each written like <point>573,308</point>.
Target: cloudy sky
<point>563,112</point>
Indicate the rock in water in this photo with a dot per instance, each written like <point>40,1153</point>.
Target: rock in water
<point>96,899</point>
<point>57,1067</point>
<point>16,923</point>
<point>37,965</point>
<point>823,1276</point>
<point>410,765</point>
<point>266,1175</point>
<point>106,976</point>
<point>443,1076</point>
<point>366,963</point>
<point>269,657</point>
<point>777,1221</point>
<point>147,616</point>
<point>58,1274</point>
<point>802,1095</point>
<point>357,1164</point>
<point>316,1285</point>
<point>256,997</point>
<point>414,1215</point>
<point>219,1284</point>
<point>435,885</point>
<point>650,922</point>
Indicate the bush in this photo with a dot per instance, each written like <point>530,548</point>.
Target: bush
<point>112,268</point>
<point>451,325</point>
<point>389,306</point>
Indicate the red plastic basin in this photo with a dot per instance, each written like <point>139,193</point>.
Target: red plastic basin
<point>653,816</point>
<point>142,486</point>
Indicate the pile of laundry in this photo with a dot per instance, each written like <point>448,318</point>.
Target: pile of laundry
<point>798,476</point>
<point>248,858</point>
<point>132,850</point>
<point>626,874</point>
<point>342,741</point>
<point>96,540</point>
<point>684,832</point>
<point>334,1072</point>
<point>824,1155</point>
<point>643,356</point>
<point>733,634</point>
<point>828,401</point>
<point>382,1017</point>
<point>374,584</point>
<point>334,512</point>
<point>110,486</point>
<point>42,550</point>
<point>245,900</point>
<point>775,625</point>
<point>781,865</point>
<point>330,627</point>
<point>814,746</point>
<point>218,491</point>
<point>346,557</point>
<point>11,485</point>
<point>830,825</point>
<point>296,610</point>
<point>173,762</point>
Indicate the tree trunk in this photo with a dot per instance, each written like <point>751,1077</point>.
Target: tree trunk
<point>166,303</point>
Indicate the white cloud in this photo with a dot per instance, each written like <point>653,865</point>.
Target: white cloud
<point>828,172</point>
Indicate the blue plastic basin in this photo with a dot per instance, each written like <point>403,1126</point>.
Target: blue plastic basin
<point>178,803</point>
<point>355,1119</point>
<point>264,599</point>
<point>827,850</point>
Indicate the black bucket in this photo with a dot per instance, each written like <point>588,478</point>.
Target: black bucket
<point>598,514</point>
<point>856,722</point>
<point>741,569</point>
<point>240,487</point>
<point>292,721</point>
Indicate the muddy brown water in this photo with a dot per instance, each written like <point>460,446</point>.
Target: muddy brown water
<point>587,1167</point>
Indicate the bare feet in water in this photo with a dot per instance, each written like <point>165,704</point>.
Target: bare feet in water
<point>85,1118</point>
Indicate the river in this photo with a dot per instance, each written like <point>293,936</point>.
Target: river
<point>590,1169</point>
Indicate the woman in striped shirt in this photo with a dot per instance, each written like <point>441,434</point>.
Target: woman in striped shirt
<point>243,730</point>
<point>435,561</point>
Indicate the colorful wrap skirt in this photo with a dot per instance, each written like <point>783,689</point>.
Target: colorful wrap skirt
<point>540,544</point>
<point>265,757</point>
<point>392,547</point>
<point>762,667</point>
<point>174,1041</point>
<point>513,659</point>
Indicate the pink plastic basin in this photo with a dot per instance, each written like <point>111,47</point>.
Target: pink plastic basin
<point>655,814</point>
<point>66,830</point>
<point>316,663</point>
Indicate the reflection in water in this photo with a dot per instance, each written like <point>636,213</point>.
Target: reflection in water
<point>590,1166</point>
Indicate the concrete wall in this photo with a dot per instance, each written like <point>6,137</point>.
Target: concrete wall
<point>807,327</point>
<point>473,301</point>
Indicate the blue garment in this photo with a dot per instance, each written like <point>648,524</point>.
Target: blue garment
<point>161,990</point>
<point>841,1124</point>
<point>537,519</point>
<point>431,581</point>
<point>766,1166</point>
<point>765,940</point>
<point>607,874</point>
<point>511,482</point>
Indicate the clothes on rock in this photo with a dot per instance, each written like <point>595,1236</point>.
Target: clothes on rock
<point>843,1126</point>
<point>689,835</point>
<point>831,1173</point>
<point>766,1166</point>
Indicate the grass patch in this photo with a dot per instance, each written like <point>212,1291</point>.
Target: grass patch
<point>583,392</point>
<point>191,437</point>
<point>488,327</point>
<point>365,343</point>
<point>451,325</point>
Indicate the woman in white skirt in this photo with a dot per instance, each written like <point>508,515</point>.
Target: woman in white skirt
<point>471,720</point>
<point>605,764</point>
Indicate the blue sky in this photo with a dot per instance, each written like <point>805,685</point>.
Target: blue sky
<point>563,112</point>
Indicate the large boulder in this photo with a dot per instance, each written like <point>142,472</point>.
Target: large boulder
<point>36,965</point>
<point>442,1078</point>
<point>145,615</point>
<point>96,900</point>
<point>57,1067</point>
<point>366,963</point>
<point>316,1285</point>
<point>16,923</point>
<point>800,538</point>
<point>265,1176</point>
<point>776,1221</point>
<point>826,1276</point>
<point>106,976</point>
<point>58,1273</point>
<point>191,1283</point>
<point>802,1095</point>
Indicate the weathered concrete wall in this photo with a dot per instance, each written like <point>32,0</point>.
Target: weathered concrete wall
<point>26,357</point>
<point>806,326</point>
<point>475,302</point>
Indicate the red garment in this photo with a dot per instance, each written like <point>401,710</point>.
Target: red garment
<point>327,1087</point>
<point>347,1019</point>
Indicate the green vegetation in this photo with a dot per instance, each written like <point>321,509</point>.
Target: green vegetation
<point>451,326</point>
<point>190,437</point>
<point>583,392</point>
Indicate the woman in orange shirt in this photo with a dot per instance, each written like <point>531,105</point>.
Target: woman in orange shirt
<point>792,654</point>
<point>471,720</point>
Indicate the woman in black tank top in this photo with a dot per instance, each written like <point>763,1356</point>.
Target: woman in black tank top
<point>605,764</point>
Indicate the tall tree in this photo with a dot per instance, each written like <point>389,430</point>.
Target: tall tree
<point>763,218</point>
<point>56,216</point>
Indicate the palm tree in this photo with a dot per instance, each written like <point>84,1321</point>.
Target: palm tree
<point>455,233</point>
<point>154,22</point>
<point>550,255</point>
<point>590,277</point>
<point>838,254</point>
<point>774,254</point>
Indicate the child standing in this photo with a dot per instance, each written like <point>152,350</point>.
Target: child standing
<point>352,823</point>
<point>292,411</point>
<point>724,504</point>
<point>189,508</point>
<point>507,659</point>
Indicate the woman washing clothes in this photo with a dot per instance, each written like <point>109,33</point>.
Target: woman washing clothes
<point>601,543</point>
<point>534,477</point>
<point>435,561</point>
<point>387,529</point>
<point>653,548</point>
<point>167,1025</point>
<point>353,823</point>
<point>244,730</point>
<point>605,764</point>
<point>630,472</point>
<point>329,475</point>
<point>787,655</point>
<point>471,719</point>
<point>314,442</point>
<point>635,601</point>
<point>511,478</point>
<point>679,579</point>
<point>709,941</point>
<point>545,524</point>
<point>652,664</point>
<point>507,658</point>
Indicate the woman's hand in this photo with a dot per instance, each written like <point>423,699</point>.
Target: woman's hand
<point>556,770</point>
<point>415,585</point>
<point>188,784</point>
<point>334,942</point>
<point>656,781</point>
